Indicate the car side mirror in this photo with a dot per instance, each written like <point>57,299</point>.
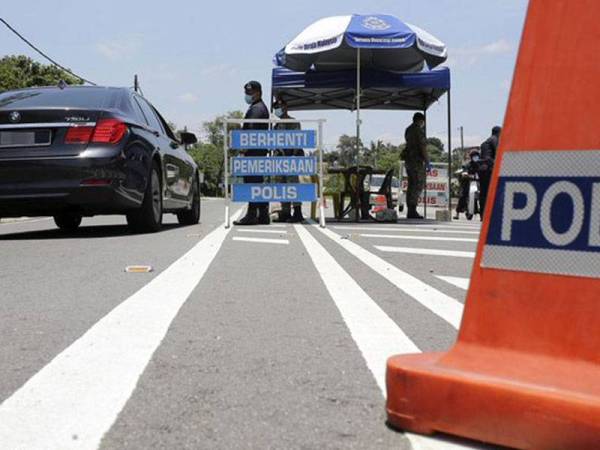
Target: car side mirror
<point>187,138</point>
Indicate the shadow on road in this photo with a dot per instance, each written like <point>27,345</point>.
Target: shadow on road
<point>86,232</point>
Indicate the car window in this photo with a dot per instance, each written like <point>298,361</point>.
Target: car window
<point>69,97</point>
<point>138,112</point>
<point>166,126</point>
<point>149,114</point>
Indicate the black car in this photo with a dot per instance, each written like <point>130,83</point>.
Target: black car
<point>70,152</point>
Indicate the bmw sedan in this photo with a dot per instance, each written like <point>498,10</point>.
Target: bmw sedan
<point>71,152</point>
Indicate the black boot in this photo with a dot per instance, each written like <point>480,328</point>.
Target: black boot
<point>263,215</point>
<point>284,214</point>
<point>412,213</point>
<point>297,217</point>
<point>249,218</point>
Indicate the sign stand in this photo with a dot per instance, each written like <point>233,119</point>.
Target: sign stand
<point>270,139</point>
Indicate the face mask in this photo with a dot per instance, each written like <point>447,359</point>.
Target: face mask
<point>249,99</point>
<point>278,112</point>
<point>475,158</point>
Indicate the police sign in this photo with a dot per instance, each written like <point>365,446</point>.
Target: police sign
<point>546,215</point>
<point>273,139</point>
<point>265,193</point>
<point>275,166</point>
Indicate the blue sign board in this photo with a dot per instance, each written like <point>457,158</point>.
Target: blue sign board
<point>265,193</point>
<point>273,139</point>
<point>275,166</point>
<point>546,214</point>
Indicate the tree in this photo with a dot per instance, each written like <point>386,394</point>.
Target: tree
<point>435,149</point>
<point>208,153</point>
<point>347,150</point>
<point>19,71</point>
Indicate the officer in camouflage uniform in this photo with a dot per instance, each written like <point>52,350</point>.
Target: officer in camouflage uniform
<point>416,161</point>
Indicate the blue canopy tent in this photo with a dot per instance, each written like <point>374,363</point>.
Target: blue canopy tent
<point>383,90</point>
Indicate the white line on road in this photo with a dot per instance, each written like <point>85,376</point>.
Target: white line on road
<point>375,334</point>
<point>262,240</point>
<point>411,230</point>
<point>459,282</point>
<point>425,251</point>
<point>247,230</point>
<point>436,301</point>
<point>417,238</point>
<point>76,398</point>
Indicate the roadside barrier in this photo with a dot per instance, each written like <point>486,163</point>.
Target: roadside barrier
<point>525,370</point>
<point>269,166</point>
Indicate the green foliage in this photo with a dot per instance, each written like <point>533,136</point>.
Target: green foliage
<point>19,71</point>
<point>208,152</point>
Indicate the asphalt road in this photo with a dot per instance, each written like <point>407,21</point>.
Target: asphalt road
<point>262,337</point>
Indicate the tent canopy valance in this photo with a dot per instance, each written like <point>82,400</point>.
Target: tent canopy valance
<point>386,90</point>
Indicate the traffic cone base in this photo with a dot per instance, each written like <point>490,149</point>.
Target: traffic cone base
<point>496,396</point>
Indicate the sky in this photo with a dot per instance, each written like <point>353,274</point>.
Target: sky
<point>193,57</point>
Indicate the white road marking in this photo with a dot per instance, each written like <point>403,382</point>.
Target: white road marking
<point>417,238</point>
<point>459,282</point>
<point>375,334</point>
<point>262,240</point>
<point>20,221</point>
<point>411,230</point>
<point>248,230</point>
<point>278,225</point>
<point>436,301</point>
<point>76,398</point>
<point>425,251</point>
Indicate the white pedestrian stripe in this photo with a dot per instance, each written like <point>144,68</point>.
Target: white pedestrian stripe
<point>417,238</point>
<point>436,301</point>
<point>459,282</point>
<point>76,398</point>
<point>411,230</point>
<point>261,240</point>
<point>425,251</point>
<point>248,230</point>
<point>375,334</point>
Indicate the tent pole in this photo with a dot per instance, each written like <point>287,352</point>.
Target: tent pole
<point>449,156</point>
<point>357,159</point>
<point>425,190</point>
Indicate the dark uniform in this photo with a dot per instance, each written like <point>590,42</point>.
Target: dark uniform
<point>488,157</point>
<point>415,164</point>
<point>286,207</point>
<point>257,110</point>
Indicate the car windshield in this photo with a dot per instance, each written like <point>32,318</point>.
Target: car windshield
<point>88,98</point>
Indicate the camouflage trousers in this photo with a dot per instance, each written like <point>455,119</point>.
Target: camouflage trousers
<point>416,175</point>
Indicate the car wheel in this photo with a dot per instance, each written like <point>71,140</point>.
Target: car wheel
<point>148,218</point>
<point>191,216</point>
<point>67,221</point>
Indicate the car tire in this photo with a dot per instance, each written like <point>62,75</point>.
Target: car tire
<point>67,221</point>
<point>192,216</point>
<point>148,218</point>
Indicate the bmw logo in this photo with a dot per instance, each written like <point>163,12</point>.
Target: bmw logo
<point>14,116</point>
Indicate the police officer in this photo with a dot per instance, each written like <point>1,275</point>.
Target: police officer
<point>416,161</point>
<point>488,157</point>
<point>280,109</point>
<point>257,213</point>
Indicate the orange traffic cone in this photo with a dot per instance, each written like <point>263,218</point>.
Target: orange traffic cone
<point>525,371</point>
